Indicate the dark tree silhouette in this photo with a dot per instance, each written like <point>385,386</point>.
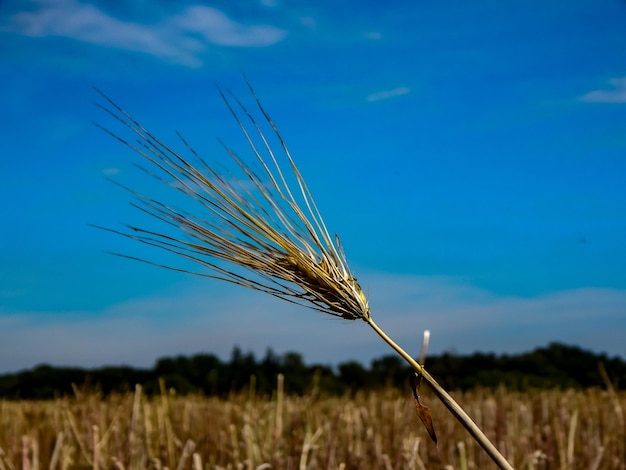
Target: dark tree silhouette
<point>554,366</point>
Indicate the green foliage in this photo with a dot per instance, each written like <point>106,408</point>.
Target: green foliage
<point>555,366</point>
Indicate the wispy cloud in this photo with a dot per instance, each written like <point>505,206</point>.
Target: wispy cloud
<point>373,35</point>
<point>615,95</point>
<point>214,318</point>
<point>179,38</point>
<point>386,94</point>
<point>269,3</point>
<point>111,171</point>
<point>214,26</point>
<point>467,318</point>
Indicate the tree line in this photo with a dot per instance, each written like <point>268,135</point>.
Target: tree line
<point>554,366</point>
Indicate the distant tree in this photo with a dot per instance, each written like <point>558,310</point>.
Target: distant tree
<point>353,375</point>
<point>556,365</point>
<point>298,377</point>
<point>204,372</point>
<point>271,364</point>
<point>325,380</point>
<point>389,371</point>
<point>241,368</point>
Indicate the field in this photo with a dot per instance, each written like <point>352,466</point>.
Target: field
<point>367,430</point>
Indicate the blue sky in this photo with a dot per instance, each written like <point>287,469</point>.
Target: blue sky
<point>471,155</point>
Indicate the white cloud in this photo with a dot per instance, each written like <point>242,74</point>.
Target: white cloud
<point>213,317</point>
<point>180,38</point>
<point>615,95</point>
<point>466,318</point>
<point>269,3</point>
<point>111,171</point>
<point>386,94</point>
<point>308,22</point>
<point>217,28</point>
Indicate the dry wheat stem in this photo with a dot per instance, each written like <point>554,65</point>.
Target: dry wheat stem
<point>254,231</point>
<point>447,400</point>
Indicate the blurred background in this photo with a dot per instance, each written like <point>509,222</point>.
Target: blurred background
<point>471,156</point>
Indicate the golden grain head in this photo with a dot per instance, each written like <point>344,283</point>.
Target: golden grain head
<point>254,221</point>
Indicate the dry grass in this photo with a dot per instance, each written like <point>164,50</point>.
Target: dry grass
<point>377,430</point>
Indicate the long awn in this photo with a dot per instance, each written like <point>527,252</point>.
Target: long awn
<point>255,231</point>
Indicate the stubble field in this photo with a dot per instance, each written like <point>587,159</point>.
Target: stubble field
<point>367,430</point>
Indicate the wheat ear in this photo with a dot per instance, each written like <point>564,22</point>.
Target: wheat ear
<point>254,230</point>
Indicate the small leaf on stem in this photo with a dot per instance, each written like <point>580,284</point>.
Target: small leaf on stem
<point>423,412</point>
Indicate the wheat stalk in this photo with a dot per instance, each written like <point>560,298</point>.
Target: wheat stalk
<point>256,231</point>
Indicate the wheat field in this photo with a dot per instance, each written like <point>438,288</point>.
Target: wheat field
<point>364,430</point>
